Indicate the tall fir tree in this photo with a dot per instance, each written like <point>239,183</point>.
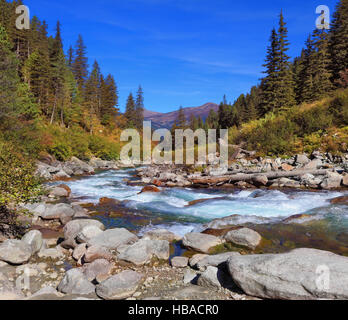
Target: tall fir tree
<point>130,112</point>
<point>80,64</point>
<point>139,109</point>
<point>338,40</point>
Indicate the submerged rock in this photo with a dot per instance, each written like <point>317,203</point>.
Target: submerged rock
<point>299,274</point>
<point>150,189</point>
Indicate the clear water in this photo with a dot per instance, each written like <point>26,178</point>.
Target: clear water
<point>255,206</point>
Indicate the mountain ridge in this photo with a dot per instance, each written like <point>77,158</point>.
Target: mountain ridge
<point>166,120</point>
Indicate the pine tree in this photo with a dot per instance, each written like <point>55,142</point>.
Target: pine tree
<point>338,39</point>
<point>92,94</point>
<point>322,75</point>
<point>269,83</point>
<point>130,111</point>
<point>80,64</point>
<point>71,57</point>
<point>8,78</point>
<point>109,99</point>
<point>139,109</point>
<point>212,120</point>
<point>285,95</point>
<point>181,119</point>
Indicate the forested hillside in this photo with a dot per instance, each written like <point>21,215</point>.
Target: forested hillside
<point>299,104</point>
<point>51,99</point>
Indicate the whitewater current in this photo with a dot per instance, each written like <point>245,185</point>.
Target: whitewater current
<point>255,206</point>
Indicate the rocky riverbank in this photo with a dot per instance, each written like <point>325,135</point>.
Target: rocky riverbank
<point>68,254</point>
<point>315,171</point>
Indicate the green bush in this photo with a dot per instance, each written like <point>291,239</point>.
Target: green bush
<point>61,151</point>
<point>103,149</point>
<point>17,180</point>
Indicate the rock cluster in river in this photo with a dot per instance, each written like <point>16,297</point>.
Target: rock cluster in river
<point>317,171</point>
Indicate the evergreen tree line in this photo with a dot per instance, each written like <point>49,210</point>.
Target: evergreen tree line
<point>38,79</point>
<point>321,68</point>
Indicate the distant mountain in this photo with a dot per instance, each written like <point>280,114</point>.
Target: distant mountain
<point>166,120</point>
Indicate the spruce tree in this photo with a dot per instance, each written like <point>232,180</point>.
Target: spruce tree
<point>130,112</point>
<point>338,40</point>
<point>80,64</point>
<point>285,95</point>
<point>139,109</point>
<point>181,119</point>
<point>269,83</point>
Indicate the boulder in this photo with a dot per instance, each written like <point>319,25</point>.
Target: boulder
<point>287,167</point>
<point>95,252</point>
<point>75,282</point>
<point>98,268</point>
<point>59,191</point>
<point>46,293</point>
<point>332,181</point>
<point>301,274</point>
<point>34,239</point>
<point>260,181</point>
<point>215,278</point>
<point>78,167</point>
<point>301,159</point>
<point>244,237</point>
<point>15,251</point>
<point>143,251</point>
<point>179,262</point>
<point>200,242</point>
<point>150,189</point>
<point>196,258</point>
<point>56,211</point>
<point>113,238</point>
<point>79,251</point>
<point>313,165</point>
<point>161,234</point>
<point>87,233</point>
<point>73,228</point>
<point>120,286</point>
<point>345,180</point>
<point>218,260</point>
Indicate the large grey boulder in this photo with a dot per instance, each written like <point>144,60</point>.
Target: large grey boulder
<point>120,286</point>
<point>244,237</point>
<point>34,239</point>
<point>87,233</point>
<point>59,192</point>
<point>75,282</point>
<point>113,238</point>
<point>301,159</point>
<point>332,181</point>
<point>179,262</point>
<point>201,242</point>
<point>215,278</point>
<point>77,167</point>
<point>56,211</point>
<point>95,252</point>
<point>96,269</point>
<point>143,251</point>
<point>15,251</point>
<point>299,274</point>
<point>73,228</point>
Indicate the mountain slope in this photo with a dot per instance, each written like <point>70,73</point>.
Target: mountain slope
<point>166,120</point>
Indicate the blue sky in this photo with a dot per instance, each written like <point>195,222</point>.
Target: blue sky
<point>183,52</point>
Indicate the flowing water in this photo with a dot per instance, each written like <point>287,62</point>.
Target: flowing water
<point>170,209</point>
